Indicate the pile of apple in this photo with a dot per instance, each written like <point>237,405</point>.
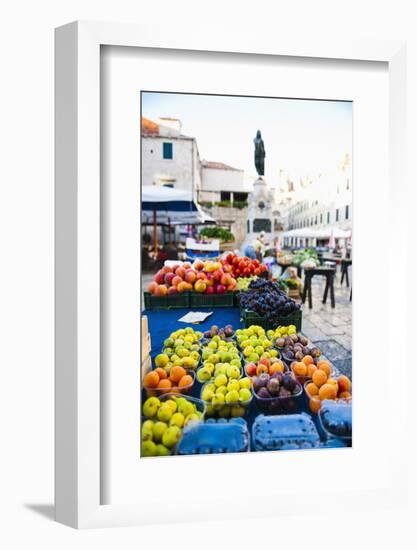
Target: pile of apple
<point>164,422</point>
<point>254,343</point>
<point>219,357</point>
<point>244,267</point>
<point>181,348</point>
<point>207,277</point>
<point>227,396</point>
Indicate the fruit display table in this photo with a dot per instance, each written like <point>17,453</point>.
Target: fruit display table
<point>162,323</point>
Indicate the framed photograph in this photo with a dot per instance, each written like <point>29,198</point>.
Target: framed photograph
<point>217,199</point>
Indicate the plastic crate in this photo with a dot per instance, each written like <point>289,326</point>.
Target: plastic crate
<point>211,300</point>
<point>172,301</point>
<point>215,437</point>
<point>251,318</point>
<point>278,433</point>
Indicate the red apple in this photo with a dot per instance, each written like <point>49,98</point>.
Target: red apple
<point>220,289</point>
<point>251,369</point>
<point>168,278</point>
<point>218,274</point>
<point>209,290</point>
<point>159,277</point>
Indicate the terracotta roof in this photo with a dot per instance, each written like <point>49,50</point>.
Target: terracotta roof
<point>149,128</point>
<point>217,165</point>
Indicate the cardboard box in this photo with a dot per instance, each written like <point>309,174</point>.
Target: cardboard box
<point>146,366</point>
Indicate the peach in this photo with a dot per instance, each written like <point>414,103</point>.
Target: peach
<point>265,361</point>
<point>261,368</point>
<point>201,275</point>
<point>190,276</point>
<point>344,383</point>
<point>198,265</point>
<point>172,290</point>
<point>176,280</point>
<point>328,391</point>
<point>180,271</point>
<point>186,265</point>
<point>226,279</point>
<point>299,368</point>
<point>161,290</point>
<point>182,287</point>
<point>152,287</point>
<point>166,269</point>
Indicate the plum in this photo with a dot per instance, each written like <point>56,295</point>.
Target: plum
<point>273,387</point>
<point>263,393</point>
<point>289,382</point>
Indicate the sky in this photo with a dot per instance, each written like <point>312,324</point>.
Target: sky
<point>301,137</point>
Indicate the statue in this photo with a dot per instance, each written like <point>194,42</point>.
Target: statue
<point>259,154</point>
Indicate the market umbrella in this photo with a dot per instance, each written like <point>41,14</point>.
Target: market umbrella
<point>165,205</point>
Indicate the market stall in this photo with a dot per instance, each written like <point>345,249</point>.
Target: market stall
<point>246,378</point>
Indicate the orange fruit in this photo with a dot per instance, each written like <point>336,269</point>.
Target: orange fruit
<point>177,373</point>
<point>186,380</point>
<point>325,366</point>
<point>328,391</point>
<point>161,373</point>
<point>319,377</point>
<point>165,383</point>
<point>312,389</point>
<point>308,360</point>
<point>315,404</point>
<point>299,368</point>
<point>151,379</point>
<point>334,382</point>
<point>311,368</point>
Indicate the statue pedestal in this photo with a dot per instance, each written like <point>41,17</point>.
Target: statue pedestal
<point>260,205</point>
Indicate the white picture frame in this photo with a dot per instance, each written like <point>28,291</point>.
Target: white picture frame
<point>77,241</point>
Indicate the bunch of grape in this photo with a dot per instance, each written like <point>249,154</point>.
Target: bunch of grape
<point>266,299</point>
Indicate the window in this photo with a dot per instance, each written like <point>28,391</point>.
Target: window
<point>225,196</point>
<point>347,184</point>
<point>337,214</point>
<point>321,218</point>
<point>347,212</point>
<point>167,152</point>
<point>328,217</point>
<point>315,221</point>
<point>311,221</point>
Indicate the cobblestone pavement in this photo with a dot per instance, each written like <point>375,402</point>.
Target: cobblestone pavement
<point>331,328</point>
